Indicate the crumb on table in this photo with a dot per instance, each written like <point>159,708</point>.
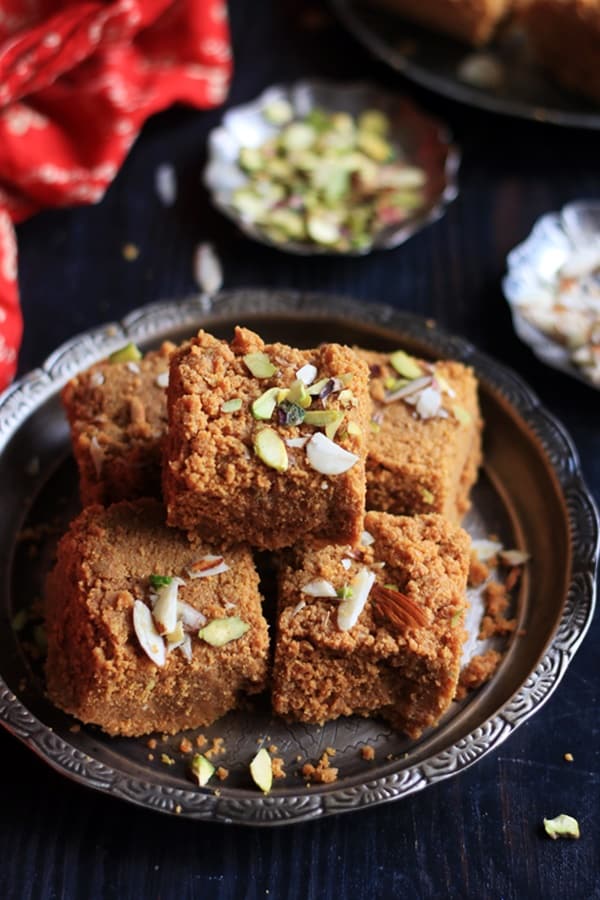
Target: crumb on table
<point>322,773</point>
<point>367,752</point>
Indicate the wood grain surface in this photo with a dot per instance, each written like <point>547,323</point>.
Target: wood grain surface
<point>478,835</point>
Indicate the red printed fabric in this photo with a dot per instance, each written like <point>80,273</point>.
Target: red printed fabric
<point>77,82</point>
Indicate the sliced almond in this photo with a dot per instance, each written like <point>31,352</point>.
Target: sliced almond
<point>513,557</point>
<point>162,379</point>
<point>396,609</point>
<point>366,539</point>
<point>429,403</point>
<point>320,587</point>
<point>96,455</point>
<point>191,619</point>
<point>261,770</point>
<point>307,374</point>
<point>327,457</point>
<point>164,611</point>
<point>484,549</point>
<point>186,647</point>
<point>150,640</point>
<point>221,631</point>
<point>175,638</point>
<point>297,442</point>
<point>206,566</point>
<point>350,609</point>
<point>407,390</point>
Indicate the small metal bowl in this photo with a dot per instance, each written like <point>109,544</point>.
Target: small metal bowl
<point>425,142</point>
<point>533,271</point>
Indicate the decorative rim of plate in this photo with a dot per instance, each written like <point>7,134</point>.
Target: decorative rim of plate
<point>532,267</point>
<point>455,89</point>
<point>154,321</point>
<point>223,147</point>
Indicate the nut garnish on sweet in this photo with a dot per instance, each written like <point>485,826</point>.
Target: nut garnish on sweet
<point>396,609</point>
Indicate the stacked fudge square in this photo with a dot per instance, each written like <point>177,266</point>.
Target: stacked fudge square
<point>154,611</point>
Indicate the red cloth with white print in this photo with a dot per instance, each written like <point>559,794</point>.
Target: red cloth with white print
<point>77,82</point>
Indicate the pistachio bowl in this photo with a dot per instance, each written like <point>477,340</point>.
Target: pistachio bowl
<point>423,164</point>
<point>553,288</point>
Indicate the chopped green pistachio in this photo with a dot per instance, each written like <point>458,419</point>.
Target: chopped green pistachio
<point>375,121</point>
<point>405,365</point>
<point>251,159</point>
<point>321,417</point>
<point>128,353</point>
<point>202,769</point>
<point>19,620</point>
<point>456,618</point>
<point>261,770</point>
<point>231,406</point>
<point>222,631</point>
<point>345,593</point>
<point>283,394</point>
<point>177,635</point>
<point>297,136</point>
<point>392,587</point>
<point>354,428</point>
<point>427,495</point>
<point>260,365</point>
<point>264,406</point>
<point>316,388</point>
<point>278,112</point>
<point>269,447</point>
<point>290,413</point>
<point>376,147</point>
<point>562,826</point>
<point>321,229</point>
<point>346,378</point>
<point>158,581</point>
<point>463,416</point>
<point>299,394</point>
<point>395,384</point>
<point>332,427</point>
<point>375,427</point>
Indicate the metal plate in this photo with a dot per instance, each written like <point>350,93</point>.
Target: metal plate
<point>434,60</point>
<point>531,493</point>
<point>424,141</point>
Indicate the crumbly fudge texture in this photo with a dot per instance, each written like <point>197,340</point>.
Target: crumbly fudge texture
<point>407,675</point>
<point>96,667</point>
<point>216,482</point>
<point>419,464</point>
<point>118,416</point>
<point>565,35</point>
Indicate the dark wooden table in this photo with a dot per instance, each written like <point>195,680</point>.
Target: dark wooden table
<point>477,835</point>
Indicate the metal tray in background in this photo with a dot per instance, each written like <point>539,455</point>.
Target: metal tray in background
<point>433,60</point>
<point>531,493</point>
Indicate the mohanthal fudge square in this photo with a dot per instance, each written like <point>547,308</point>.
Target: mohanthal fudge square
<point>425,438</point>
<point>374,630</point>
<point>266,444</point>
<point>117,411</point>
<point>147,630</point>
